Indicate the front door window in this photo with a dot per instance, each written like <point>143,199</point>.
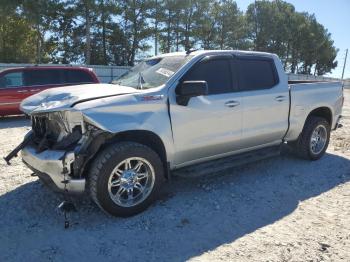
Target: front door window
<point>12,79</point>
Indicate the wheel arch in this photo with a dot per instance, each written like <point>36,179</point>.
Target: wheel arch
<point>324,112</point>
<point>144,137</point>
<point>302,146</point>
<point>299,119</point>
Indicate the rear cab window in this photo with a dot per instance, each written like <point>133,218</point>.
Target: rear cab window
<point>39,77</point>
<point>256,73</point>
<point>77,76</point>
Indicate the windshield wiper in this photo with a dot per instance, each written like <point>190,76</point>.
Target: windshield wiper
<point>141,81</point>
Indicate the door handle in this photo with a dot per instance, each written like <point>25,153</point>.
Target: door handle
<point>280,98</point>
<point>231,103</point>
<point>22,91</point>
<point>34,90</point>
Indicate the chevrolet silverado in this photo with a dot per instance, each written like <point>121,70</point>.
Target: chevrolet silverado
<point>169,112</point>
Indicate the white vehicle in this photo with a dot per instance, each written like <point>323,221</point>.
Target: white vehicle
<point>120,141</point>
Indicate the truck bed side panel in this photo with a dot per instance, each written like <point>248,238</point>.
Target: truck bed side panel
<point>307,97</point>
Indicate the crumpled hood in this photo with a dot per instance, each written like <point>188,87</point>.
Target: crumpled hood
<point>64,97</point>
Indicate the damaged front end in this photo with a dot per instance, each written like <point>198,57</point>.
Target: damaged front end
<point>57,130</point>
<point>58,148</point>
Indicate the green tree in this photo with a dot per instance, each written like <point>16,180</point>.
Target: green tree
<point>17,40</point>
<point>135,24</point>
<point>205,25</point>
<point>62,34</point>
<point>102,31</point>
<point>170,20</point>
<point>232,30</point>
<point>40,14</point>
<point>303,44</point>
<point>121,31</point>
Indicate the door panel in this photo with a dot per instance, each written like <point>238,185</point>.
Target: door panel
<point>265,100</point>
<point>265,120</point>
<point>206,127</point>
<point>32,90</point>
<point>12,92</point>
<point>211,124</point>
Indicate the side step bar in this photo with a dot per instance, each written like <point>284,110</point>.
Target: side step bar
<point>222,164</point>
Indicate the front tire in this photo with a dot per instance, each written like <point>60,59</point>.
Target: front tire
<point>125,178</point>
<point>314,139</point>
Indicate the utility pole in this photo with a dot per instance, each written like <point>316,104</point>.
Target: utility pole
<point>346,56</point>
<point>256,26</point>
<point>156,30</point>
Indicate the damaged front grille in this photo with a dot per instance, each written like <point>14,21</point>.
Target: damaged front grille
<point>52,132</point>
<point>39,126</point>
<point>45,128</point>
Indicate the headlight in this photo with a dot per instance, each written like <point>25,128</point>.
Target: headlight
<point>57,125</point>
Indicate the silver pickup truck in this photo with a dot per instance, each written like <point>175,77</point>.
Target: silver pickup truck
<point>120,141</point>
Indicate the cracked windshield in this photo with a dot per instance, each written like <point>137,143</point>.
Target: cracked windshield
<point>152,72</point>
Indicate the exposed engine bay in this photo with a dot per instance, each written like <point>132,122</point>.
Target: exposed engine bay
<point>57,130</point>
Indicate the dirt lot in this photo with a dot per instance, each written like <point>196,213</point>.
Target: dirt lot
<point>281,209</point>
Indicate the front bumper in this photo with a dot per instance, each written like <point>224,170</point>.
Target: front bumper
<point>54,166</point>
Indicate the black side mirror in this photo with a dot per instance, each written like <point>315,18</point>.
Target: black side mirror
<point>188,89</point>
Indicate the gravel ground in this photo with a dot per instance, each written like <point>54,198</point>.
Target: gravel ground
<point>280,209</point>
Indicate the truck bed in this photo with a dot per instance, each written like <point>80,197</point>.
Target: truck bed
<point>306,96</point>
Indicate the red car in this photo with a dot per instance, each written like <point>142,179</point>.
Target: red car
<point>17,84</point>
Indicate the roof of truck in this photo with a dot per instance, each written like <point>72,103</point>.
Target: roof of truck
<point>201,52</point>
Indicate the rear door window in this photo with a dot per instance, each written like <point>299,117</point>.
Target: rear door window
<point>256,74</point>
<point>43,77</point>
<point>217,74</point>
<point>12,79</point>
<point>78,76</point>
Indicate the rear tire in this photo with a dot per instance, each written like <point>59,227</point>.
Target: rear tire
<point>125,178</point>
<point>314,139</point>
